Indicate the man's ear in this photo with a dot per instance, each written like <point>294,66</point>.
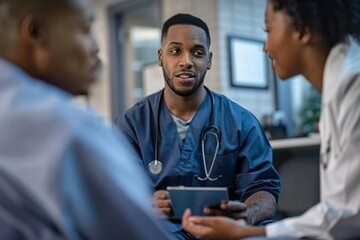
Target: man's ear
<point>32,30</point>
<point>160,57</point>
<point>209,61</point>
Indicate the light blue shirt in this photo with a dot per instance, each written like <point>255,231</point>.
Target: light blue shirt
<point>63,173</point>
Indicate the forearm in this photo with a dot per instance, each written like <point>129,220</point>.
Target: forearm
<point>260,205</point>
<point>250,231</point>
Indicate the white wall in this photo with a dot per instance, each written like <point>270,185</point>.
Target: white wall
<point>224,17</point>
<point>206,10</point>
<point>243,18</point>
<point>230,17</point>
<point>99,98</point>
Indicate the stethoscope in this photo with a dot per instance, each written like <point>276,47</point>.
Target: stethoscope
<point>155,167</point>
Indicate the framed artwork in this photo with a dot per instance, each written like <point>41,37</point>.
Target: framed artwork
<point>249,64</point>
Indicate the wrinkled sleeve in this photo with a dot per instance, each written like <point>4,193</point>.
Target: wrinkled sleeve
<point>257,172</point>
<point>104,193</point>
<point>127,129</point>
<point>337,216</point>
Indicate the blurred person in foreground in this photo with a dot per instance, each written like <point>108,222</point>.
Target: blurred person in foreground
<point>320,40</point>
<point>62,172</point>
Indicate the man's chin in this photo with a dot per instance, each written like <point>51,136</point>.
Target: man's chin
<point>81,92</point>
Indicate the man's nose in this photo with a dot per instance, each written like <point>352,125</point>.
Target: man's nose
<point>94,46</point>
<point>186,60</point>
<point>265,47</point>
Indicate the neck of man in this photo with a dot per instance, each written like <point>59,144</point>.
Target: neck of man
<point>184,107</point>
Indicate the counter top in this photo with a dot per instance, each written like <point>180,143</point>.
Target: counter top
<point>295,142</point>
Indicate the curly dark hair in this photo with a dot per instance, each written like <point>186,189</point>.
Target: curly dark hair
<point>334,19</point>
<point>188,19</point>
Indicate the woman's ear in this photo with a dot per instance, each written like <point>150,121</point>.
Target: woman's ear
<point>160,57</point>
<point>306,36</point>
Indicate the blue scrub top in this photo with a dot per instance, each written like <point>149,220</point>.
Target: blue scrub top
<point>244,157</point>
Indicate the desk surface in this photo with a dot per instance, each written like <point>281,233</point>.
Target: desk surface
<point>295,142</point>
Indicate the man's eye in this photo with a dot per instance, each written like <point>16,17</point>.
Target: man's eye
<point>174,51</point>
<point>199,53</point>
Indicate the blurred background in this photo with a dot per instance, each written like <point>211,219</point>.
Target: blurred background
<point>128,33</point>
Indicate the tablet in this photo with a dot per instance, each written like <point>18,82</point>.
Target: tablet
<point>195,198</point>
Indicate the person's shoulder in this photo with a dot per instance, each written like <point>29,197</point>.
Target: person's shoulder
<point>352,58</point>
<point>142,108</point>
<point>45,112</point>
<point>145,102</point>
<point>227,104</point>
<point>78,118</point>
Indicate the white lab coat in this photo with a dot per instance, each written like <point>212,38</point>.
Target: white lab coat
<point>337,216</point>
<point>63,174</point>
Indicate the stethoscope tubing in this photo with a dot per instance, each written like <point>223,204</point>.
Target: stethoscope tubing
<point>155,166</point>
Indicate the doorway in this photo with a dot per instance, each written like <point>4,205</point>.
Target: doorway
<point>134,38</point>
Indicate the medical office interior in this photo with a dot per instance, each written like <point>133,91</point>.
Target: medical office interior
<point>128,34</point>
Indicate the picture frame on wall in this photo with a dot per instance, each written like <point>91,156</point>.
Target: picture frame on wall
<point>249,64</point>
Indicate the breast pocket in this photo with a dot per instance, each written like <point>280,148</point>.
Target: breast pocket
<point>222,168</point>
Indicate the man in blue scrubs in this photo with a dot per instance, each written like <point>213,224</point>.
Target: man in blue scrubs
<point>63,173</point>
<point>167,129</point>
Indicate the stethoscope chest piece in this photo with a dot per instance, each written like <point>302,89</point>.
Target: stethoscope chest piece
<point>155,167</point>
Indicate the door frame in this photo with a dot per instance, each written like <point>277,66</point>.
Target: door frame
<point>117,59</point>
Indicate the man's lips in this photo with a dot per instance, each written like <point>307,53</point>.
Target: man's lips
<point>97,65</point>
<point>185,77</point>
<point>272,60</point>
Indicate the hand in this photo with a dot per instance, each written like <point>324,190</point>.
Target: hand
<point>233,209</point>
<point>213,227</point>
<point>162,203</point>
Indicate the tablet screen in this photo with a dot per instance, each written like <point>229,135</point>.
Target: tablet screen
<point>195,198</point>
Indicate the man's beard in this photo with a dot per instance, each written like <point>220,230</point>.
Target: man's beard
<point>183,93</point>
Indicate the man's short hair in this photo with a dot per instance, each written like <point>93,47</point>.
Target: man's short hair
<point>187,19</point>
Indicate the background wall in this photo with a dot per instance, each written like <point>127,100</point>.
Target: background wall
<point>243,18</point>
<point>100,96</point>
<point>207,11</point>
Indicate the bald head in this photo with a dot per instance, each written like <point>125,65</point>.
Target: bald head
<point>17,8</point>
<point>50,40</point>
<point>12,12</point>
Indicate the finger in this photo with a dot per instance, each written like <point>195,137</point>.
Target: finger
<point>213,212</point>
<point>163,203</point>
<point>167,211</point>
<point>160,214</point>
<point>203,221</point>
<point>161,194</point>
<point>197,231</point>
<point>234,206</point>
<point>241,222</point>
<point>239,215</point>
<point>185,217</point>
<point>188,223</point>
